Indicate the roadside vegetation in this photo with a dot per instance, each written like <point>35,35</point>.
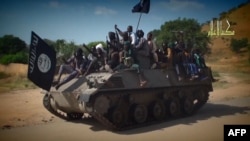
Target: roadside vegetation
<point>14,50</point>
<point>9,83</point>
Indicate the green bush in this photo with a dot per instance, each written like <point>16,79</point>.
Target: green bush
<point>3,75</point>
<point>236,45</point>
<point>20,57</point>
<point>10,44</point>
<point>248,48</point>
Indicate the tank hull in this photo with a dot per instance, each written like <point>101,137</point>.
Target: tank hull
<point>119,102</point>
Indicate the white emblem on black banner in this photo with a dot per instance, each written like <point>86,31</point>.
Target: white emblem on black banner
<point>44,63</point>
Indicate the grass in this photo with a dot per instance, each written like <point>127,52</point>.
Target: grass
<point>9,83</point>
<point>215,74</point>
<point>3,75</point>
<point>241,78</point>
<point>221,84</point>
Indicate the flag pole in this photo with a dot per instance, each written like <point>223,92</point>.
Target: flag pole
<point>138,21</point>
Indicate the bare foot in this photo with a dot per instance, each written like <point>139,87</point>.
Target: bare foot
<point>143,83</point>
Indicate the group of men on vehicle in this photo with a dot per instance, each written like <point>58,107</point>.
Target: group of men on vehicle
<point>136,52</point>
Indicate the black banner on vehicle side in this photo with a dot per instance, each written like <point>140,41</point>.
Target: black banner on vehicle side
<point>42,62</point>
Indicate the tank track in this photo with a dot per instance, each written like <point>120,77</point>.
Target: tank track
<point>55,111</point>
<point>48,106</point>
<point>106,121</point>
<point>63,115</point>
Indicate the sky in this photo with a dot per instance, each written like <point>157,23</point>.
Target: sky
<point>85,21</point>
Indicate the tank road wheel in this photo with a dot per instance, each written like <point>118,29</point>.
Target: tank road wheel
<point>119,117</point>
<point>174,107</point>
<point>74,116</point>
<point>46,102</point>
<point>201,96</point>
<point>101,104</point>
<point>188,105</point>
<point>49,103</point>
<point>158,110</point>
<point>140,113</point>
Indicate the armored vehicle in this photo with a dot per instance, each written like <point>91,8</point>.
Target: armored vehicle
<point>118,101</point>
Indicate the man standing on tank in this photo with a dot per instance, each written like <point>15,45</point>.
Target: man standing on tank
<point>152,51</point>
<point>128,35</point>
<point>142,54</point>
<point>142,51</point>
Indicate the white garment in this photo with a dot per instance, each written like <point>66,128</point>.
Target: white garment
<point>100,46</point>
<point>154,47</point>
<point>91,57</point>
<point>133,38</point>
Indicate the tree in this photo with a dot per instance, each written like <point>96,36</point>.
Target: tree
<point>11,45</point>
<point>223,15</point>
<point>50,43</point>
<point>93,44</point>
<point>12,50</point>
<point>64,49</point>
<point>231,10</point>
<point>192,35</point>
<point>155,32</point>
<point>248,48</point>
<point>242,4</point>
<point>236,45</point>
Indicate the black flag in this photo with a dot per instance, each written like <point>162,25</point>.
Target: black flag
<point>142,7</point>
<point>42,62</point>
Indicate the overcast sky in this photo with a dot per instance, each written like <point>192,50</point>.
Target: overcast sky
<point>84,21</point>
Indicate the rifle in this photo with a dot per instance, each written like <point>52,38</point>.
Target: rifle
<point>179,35</point>
<point>108,47</point>
<point>116,34</point>
<point>90,51</point>
<point>118,44</point>
<point>92,62</point>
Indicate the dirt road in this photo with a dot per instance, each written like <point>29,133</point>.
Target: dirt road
<point>22,117</point>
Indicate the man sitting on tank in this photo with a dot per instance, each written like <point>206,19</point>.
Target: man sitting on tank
<point>99,58</point>
<point>161,55</point>
<point>74,66</point>
<point>200,62</point>
<point>188,63</point>
<point>113,48</point>
<point>177,50</point>
<point>152,51</point>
